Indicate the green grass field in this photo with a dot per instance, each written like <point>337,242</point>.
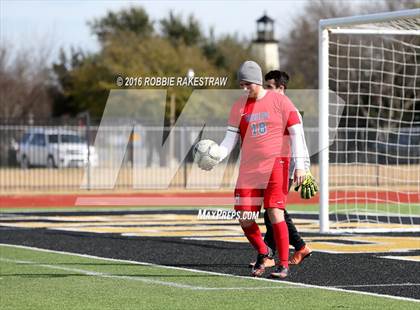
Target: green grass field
<point>33,279</point>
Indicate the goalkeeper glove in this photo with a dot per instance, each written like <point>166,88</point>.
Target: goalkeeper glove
<point>308,188</point>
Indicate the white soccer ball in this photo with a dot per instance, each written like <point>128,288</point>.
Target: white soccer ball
<point>207,154</point>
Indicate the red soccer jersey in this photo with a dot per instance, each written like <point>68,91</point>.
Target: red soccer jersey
<point>262,125</point>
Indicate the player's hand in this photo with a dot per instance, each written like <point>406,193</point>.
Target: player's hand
<point>309,187</point>
<point>299,176</point>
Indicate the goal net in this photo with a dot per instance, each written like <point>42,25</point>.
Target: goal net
<point>370,164</point>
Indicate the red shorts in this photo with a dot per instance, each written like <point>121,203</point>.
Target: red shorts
<point>253,188</point>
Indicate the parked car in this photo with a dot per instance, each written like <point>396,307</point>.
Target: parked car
<point>54,148</point>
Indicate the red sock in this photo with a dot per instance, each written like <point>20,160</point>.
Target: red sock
<point>254,236</point>
<point>281,236</point>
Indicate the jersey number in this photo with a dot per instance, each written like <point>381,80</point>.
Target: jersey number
<point>258,128</point>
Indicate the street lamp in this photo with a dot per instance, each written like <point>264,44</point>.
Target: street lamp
<point>190,73</point>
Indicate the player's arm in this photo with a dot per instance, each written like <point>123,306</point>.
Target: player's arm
<point>218,153</point>
<point>232,131</point>
<point>309,187</point>
<point>229,142</point>
<point>297,139</point>
<point>307,165</point>
<point>303,176</point>
<point>306,158</point>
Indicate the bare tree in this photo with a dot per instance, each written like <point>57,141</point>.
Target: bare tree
<point>24,83</point>
<point>299,48</point>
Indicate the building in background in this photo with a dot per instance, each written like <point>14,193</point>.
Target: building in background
<point>265,48</point>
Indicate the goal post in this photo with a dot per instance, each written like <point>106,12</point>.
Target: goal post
<point>369,169</point>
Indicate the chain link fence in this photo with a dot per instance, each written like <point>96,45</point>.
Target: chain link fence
<point>59,156</point>
<point>54,156</point>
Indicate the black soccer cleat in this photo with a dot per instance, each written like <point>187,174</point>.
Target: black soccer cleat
<point>260,264</point>
<point>269,262</point>
<point>281,272</point>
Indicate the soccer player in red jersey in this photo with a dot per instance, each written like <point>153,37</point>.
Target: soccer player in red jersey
<point>277,81</point>
<point>264,122</point>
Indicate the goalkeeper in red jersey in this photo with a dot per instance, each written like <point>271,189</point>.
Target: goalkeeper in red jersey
<point>271,132</point>
<point>277,81</point>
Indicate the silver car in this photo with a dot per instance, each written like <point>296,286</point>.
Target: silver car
<point>54,148</point>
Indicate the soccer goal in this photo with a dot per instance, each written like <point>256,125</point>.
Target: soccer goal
<point>370,163</point>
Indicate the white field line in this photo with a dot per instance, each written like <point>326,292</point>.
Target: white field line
<point>380,285</point>
<point>149,281</point>
<point>301,285</point>
<point>97,274</point>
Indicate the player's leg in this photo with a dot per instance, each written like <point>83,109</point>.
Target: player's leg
<point>269,241</point>
<point>275,197</point>
<point>293,234</point>
<point>269,236</point>
<point>245,201</point>
<point>301,249</point>
<point>281,236</point>
<point>295,239</point>
<point>253,234</point>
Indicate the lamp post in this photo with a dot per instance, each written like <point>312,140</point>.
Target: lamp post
<point>86,116</point>
<point>190,73</point>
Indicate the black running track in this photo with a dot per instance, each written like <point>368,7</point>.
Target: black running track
<point>361,272</point>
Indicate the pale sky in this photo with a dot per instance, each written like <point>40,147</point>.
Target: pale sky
<point>35,24</point>
<point>64,23</point>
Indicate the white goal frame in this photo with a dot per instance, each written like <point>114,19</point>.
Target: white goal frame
<point>334,25</point>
